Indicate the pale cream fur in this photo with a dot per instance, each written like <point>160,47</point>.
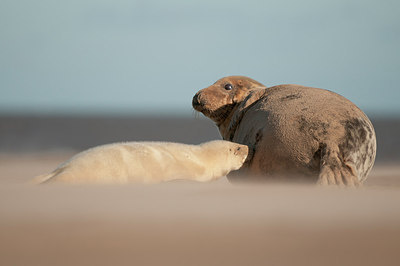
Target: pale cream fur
<point>150,162</point>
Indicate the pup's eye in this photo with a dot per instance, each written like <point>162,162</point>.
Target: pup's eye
<point>228,87</point>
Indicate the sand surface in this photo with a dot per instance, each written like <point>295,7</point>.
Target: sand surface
<point>184,223</point>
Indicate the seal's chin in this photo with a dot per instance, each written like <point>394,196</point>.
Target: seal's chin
<point>205,112</point>
<point>216,116</point>
<point>222,113</point>
<point>198,108</point>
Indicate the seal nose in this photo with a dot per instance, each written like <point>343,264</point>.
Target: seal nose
<point>196,102</point>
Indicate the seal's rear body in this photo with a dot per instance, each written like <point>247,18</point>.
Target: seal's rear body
<point>310,132</point>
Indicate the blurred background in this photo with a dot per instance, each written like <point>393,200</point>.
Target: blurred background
<point>74,74</point>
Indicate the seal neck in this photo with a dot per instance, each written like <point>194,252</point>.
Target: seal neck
<point>225,128</point>
<point>229,126</point>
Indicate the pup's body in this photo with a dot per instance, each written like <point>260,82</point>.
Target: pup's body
<point>295,131</point>
<point>150,162</point>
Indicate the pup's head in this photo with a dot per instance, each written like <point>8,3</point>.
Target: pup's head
<point>217,101</point>
<point>238,153</point>
<point>229,155</point>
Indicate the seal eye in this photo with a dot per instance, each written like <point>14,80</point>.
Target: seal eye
<point>228,87</point>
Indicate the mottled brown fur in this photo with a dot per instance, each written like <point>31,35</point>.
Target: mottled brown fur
<point>295,131</point>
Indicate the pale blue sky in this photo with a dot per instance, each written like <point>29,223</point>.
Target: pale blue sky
<point>135,57</point>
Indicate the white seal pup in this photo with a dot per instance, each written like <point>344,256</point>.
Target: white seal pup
<point>295,132</point>
<point>150,162</point>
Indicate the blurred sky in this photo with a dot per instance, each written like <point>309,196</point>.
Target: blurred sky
<point>135,57</point>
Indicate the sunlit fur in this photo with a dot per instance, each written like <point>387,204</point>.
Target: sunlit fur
<point>217,103</point>
<point>150,162</point>
<point>294,132</point>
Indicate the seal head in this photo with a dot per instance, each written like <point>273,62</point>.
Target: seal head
<point>219,100</point>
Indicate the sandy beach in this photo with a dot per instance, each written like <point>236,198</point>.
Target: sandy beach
<point>184,223</point>
<point>187,223</point>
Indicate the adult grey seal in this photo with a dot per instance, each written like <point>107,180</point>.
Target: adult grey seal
<point>150,162</point>
<point>295,132</point>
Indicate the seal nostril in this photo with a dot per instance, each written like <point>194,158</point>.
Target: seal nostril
<point>195,101</point>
